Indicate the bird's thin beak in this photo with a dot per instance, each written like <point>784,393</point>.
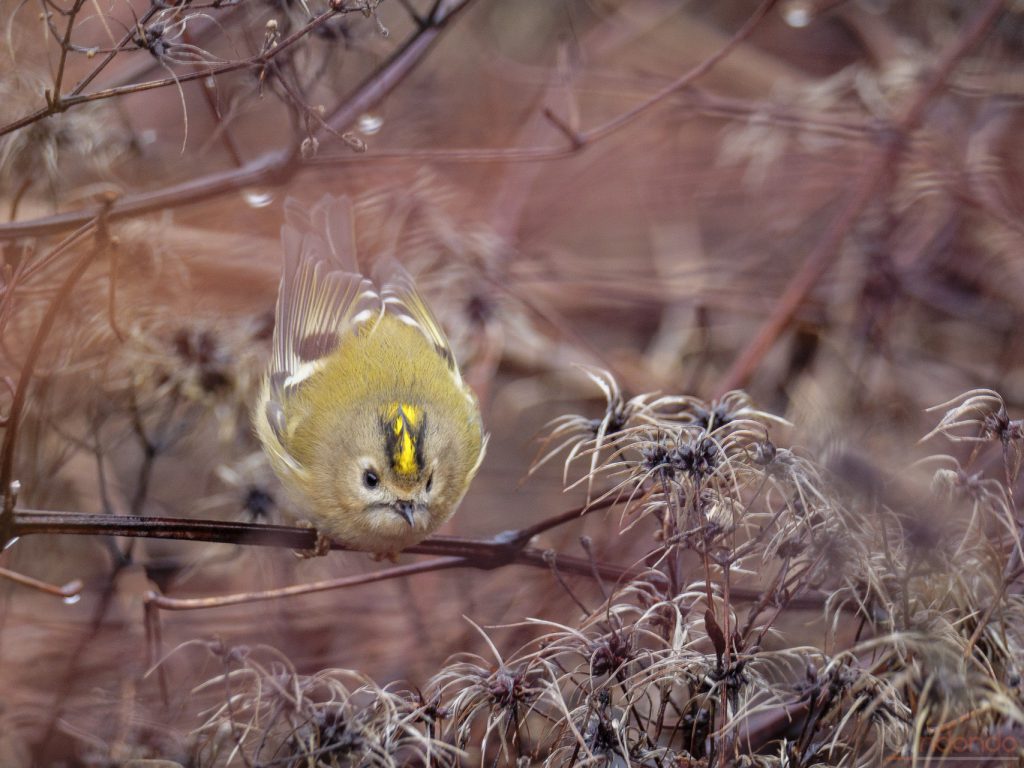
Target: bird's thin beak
<point>406,510</point>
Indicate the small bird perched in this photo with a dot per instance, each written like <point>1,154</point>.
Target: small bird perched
<point>364,414</point>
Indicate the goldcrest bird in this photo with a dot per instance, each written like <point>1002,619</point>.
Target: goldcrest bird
<point>364,414</point>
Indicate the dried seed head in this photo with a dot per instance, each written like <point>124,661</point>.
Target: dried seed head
<point>508,688</point>
<point>610,652</point>
<point>698,458</point>
<point>764,453</point>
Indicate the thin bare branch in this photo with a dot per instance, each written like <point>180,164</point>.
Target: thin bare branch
<point>399,571</point>
<point>67,591</point>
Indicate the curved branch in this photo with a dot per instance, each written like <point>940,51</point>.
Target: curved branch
<point>163,602</point>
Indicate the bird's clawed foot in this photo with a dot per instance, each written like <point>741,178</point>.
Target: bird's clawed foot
<point>320,548</point>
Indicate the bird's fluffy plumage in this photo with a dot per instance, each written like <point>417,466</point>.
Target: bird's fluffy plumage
<point>363,386</point>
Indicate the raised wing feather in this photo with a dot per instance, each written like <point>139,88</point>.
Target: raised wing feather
<point>322,297</point>
<point>402,300</point>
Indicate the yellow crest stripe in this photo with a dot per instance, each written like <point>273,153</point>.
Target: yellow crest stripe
<point>404,425</point>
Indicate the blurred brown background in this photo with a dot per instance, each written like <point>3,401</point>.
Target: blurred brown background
<point>655,252</point>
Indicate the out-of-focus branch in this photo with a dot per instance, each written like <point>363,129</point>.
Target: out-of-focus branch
<point>13,417</point>
<point>25,270</point>
<point>699,102</point>
<point>274,167</point>
<point>685,80</point>
<point>399,571</point>
<point>577,141</point>
<point>65,591</point>
<point>877,175</point>
<point>58,79</point>
<point>543,559</point>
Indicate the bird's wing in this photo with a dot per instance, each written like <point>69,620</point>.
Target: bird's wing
<point>322,297</point>
<point>402,300</point>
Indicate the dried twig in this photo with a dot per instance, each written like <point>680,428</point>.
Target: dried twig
<point>67,591</point>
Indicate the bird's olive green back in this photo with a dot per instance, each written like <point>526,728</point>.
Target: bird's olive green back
<point>391,370</point>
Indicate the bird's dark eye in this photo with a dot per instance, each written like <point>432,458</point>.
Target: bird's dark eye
<point>370,479</point>
<point>430,482</point>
